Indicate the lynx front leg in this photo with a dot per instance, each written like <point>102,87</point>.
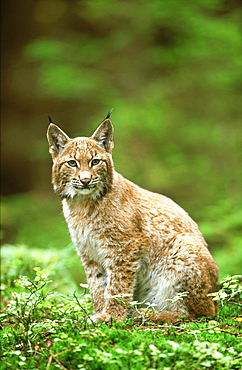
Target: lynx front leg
<point>119,290</point>
<point>97,282</point>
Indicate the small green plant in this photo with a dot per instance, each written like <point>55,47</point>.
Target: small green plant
<point>147,313</point>
<point>23,308</point>
<point>34,305</point>
<point>229,296</point>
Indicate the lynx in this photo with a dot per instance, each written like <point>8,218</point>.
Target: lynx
<point>133,244</point>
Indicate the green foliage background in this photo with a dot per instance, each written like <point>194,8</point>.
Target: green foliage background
<point>170,69</point>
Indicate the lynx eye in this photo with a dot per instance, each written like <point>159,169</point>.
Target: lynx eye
<point>95,162</point>
<point>72,163</point>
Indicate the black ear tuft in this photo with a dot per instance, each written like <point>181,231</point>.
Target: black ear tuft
<point>109,113</point>
<point>50,119</point>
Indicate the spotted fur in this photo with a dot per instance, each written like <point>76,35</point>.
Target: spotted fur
<point>133,243</point>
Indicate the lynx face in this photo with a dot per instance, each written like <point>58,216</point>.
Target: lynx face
<point>81,166</point>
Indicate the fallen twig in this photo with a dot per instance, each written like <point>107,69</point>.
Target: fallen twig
<point>209,328</point>
<point>53,357</point>
<point>232,333</point>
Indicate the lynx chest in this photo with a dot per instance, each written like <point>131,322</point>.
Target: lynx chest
<point>85,234</point>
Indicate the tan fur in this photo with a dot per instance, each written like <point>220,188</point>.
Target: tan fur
<point>133,243</point>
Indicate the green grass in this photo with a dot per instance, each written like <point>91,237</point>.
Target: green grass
<point>44,329</point>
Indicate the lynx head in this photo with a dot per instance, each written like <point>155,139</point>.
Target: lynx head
<point>82,167</point>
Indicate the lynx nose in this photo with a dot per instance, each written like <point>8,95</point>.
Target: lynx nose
<point>85,177</point>
<point>85,181</point>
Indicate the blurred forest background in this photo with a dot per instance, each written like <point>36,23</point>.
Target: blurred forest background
<point>171,70</point>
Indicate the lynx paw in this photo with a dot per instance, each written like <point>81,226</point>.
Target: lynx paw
<point>105,317</point>
<point>100,317</point>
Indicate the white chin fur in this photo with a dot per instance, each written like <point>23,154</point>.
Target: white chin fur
<point>85,191</point>
<point>72,192</point>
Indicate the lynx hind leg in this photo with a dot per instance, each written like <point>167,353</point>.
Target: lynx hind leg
<point>195,305</point>
<point>199,280</point>
<point>199,302</point>
<point>201,305</point>
<point>196,302</point>
<point>162,316</point>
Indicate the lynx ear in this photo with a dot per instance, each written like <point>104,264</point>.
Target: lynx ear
<point>57,140</point>
<point>104,135</point>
